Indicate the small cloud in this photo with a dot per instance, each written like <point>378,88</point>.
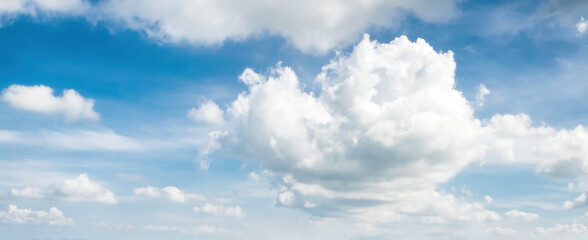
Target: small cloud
<point>40,99</point>
<point>308,204</point>
<point>220,210</point>
<point>481,95</point>
<point>522,215</point>
<point>27,192</point>
<point>254,176</point>
<point>169,193</point>
<point>581,26</point>
<point>208,112</point>
<point>488,199</point>
<point>53,217</point>
<point>79,189</point>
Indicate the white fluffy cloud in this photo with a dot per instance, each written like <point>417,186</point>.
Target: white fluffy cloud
<point>220,210</point>
<point>387,126</point>
<point>309,25</point>
<point>27,192</point>
<point>581,26</point>
<point>521,215</point>
<point>385,129</point>
<point>208,112</point>
<point>79,189</point>
<point>21,216</point>
<point>40,98</point>
<point>169,193</point>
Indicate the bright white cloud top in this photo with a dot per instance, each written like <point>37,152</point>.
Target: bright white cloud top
<point>40,98</point>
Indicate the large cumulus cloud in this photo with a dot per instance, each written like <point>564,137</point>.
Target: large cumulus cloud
<point>386,127</point>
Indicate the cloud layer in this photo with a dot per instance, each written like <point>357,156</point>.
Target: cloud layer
<point>323,26</point>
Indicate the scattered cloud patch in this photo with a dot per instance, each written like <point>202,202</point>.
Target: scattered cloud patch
<point>208,147</point>
<point>27,192</point>
<point>254,176</point>
<point>505,231</point>
<point>79,189</point>
<point>114,225</point>
<point>481,95</point>
<point>40,98</point>
<point>208,112</point>
<point>53,217</point>
<point>578,202</point>
<point>220,210</point>
<point>488,199</point>
<point>12,9</point>
<point>169,193</point>
<point>522,215</point>
<point>196,230</point>
<point>581,26</point>
<point>563,229</point>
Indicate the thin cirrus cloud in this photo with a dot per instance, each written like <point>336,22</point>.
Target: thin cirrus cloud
<point>387,127</point>
<point>79,189</point>
<point>40,98</point>
<point>73,140</point>
<point>168,193</point>
<point>53,217</point>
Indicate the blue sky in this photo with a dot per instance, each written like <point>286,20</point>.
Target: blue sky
<point>294,120</point>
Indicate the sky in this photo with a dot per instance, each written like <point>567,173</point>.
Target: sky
<point>259,119</point>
